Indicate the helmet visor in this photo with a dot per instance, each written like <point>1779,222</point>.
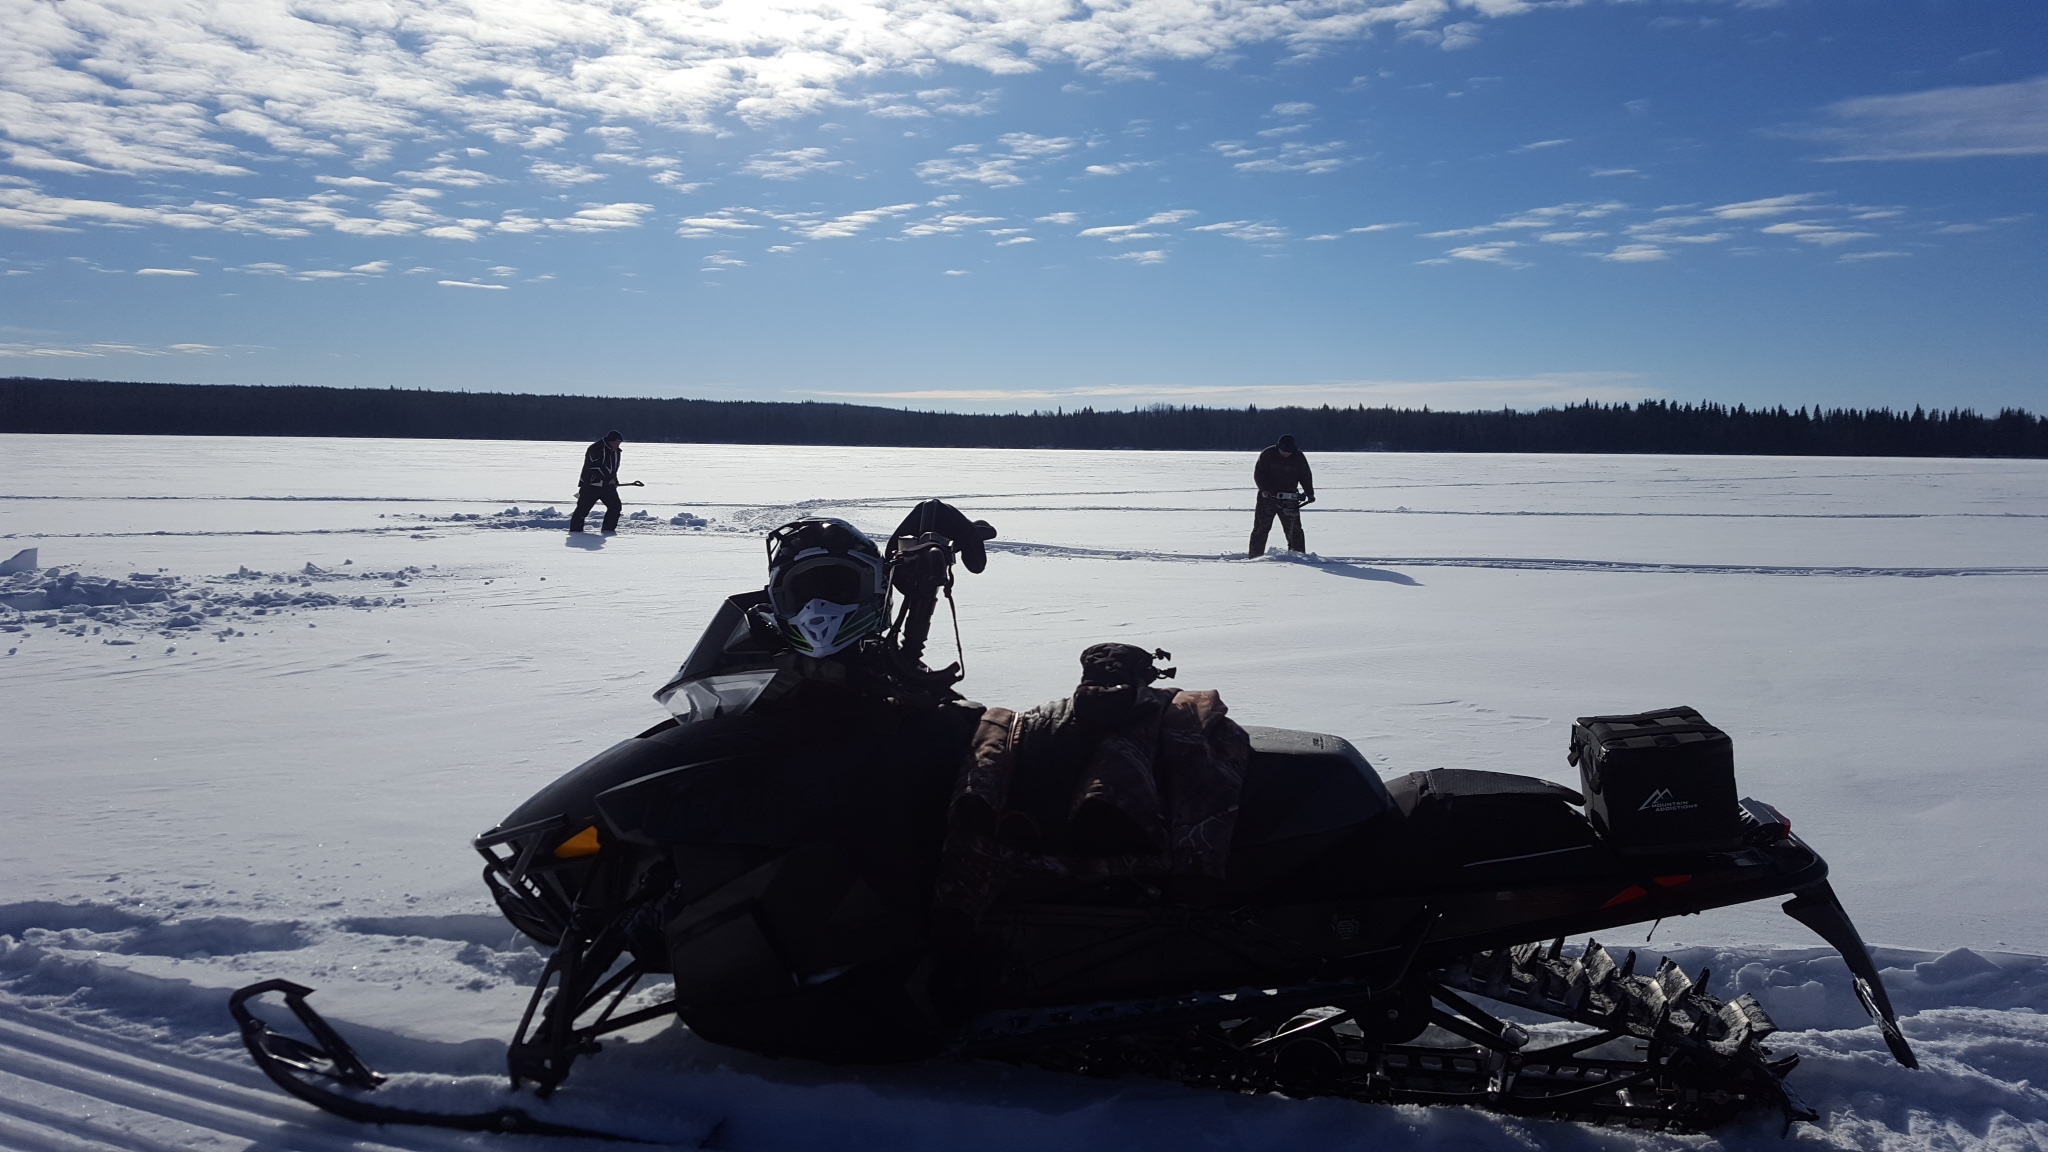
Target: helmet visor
<point>850,580</point>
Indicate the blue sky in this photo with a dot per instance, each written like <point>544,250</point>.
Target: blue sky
<point>1035,203</point>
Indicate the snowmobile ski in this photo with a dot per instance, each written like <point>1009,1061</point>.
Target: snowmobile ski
<point>292,1064</point>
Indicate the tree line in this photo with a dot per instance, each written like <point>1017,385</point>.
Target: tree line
<point>116,408</point>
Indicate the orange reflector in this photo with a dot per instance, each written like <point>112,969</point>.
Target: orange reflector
<point>1632,892</point>
<point>1673,881</point>
<point>583,843</point>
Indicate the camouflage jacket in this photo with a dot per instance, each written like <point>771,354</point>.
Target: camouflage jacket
<point>1164,781</point>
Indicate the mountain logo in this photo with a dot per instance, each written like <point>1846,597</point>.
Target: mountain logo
<point>1664,800</point>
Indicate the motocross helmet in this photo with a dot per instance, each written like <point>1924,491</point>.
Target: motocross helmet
<point>826,585</point>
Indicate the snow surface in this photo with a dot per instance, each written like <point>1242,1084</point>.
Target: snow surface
<point>262,692</point>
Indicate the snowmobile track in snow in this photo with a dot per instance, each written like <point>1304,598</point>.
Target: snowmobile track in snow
<point>64,1088</point>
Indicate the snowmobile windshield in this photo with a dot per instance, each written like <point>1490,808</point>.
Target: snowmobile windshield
<point>722,694</point>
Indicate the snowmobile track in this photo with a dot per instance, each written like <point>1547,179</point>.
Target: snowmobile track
<point>64,1088</point>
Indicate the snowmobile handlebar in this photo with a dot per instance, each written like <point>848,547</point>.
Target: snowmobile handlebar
<point>920,556</point>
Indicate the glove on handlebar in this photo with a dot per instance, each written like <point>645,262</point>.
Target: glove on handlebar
<point>949,523</point>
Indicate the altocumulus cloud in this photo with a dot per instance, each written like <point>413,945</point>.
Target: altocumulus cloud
<point>401,212</point>
<point>143,86</point>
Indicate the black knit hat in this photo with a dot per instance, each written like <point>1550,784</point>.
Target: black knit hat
<point>1111,677</point>
<point>1287,443</point>
<point>613,435</point>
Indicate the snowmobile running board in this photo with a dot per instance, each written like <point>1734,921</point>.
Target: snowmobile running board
<point>285,1059</point>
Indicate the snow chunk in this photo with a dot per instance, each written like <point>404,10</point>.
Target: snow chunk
<point>1957,964</point>
<point>22,561</point>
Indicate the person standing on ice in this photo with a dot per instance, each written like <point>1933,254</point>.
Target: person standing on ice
<point>1285,486</point>
<point>600,481</point>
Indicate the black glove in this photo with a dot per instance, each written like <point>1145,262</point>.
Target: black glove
<point>968,537</point>
<point>1308,500</point>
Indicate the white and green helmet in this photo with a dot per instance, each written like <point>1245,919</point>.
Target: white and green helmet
<point>826,585</point>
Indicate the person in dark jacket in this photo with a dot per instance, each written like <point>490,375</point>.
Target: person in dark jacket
<point>600,481</point>
<point>1285,486</point>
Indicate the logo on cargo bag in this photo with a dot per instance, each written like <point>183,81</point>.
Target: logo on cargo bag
<point>1664,800</point>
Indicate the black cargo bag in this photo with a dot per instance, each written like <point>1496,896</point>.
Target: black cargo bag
<point>1463,818</point>
<point>1658,782</point>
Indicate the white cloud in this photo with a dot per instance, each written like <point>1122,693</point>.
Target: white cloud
<point>19,351</point>
<point>1535,218</point>
<point>1015,240</point>
<point>1813,233</point>
<point>373,268</point>
<point>940,225</point>
<point>164,272</point>
<point>1540,144</point>
<point>562,175</point>
<point>468,284</point>
<point>1025,144</point>
<point>967,165</point>
<point>1121,233</point>
<point>722,261</point>
<point>1493,252</point>
<point>25,351</point>
<point>602,218</point>
<point>1475,393</point>
<point>1676,230</point>
<point>851,224</point>
<point>956,272</point>
<point>452,176</point>
<point>1151,256</point>
<point>1597,172</point>
<point>1674,226</point>
<point>1061,218</point>
<point>1384,227</point>
<point>272,268</point>
<point>1463,34</point>
<point>1245,230</point>
<point>790,165</point>
<point>1634,254</point>
<point>1295,156</point>
<point>404,212</point>
<point>1294,108</point>
<point>1857,257</point>
<point>721,223</point>
<point>351,181</point>
<point>999,172</point>
<point>1771,206</point>
<point>1940,124</point>
<point>145,86</point>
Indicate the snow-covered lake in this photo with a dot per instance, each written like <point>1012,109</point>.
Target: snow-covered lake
<point>367,651</point>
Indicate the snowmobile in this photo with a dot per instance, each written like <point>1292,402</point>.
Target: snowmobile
<point>774,846</point>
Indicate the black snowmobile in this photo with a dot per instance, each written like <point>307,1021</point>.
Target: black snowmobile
<point>784,846</point>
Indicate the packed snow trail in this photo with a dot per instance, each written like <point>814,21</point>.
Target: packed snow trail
<point>193,812</point>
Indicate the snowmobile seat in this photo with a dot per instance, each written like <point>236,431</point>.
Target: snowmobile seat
<point>1304,792</point>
